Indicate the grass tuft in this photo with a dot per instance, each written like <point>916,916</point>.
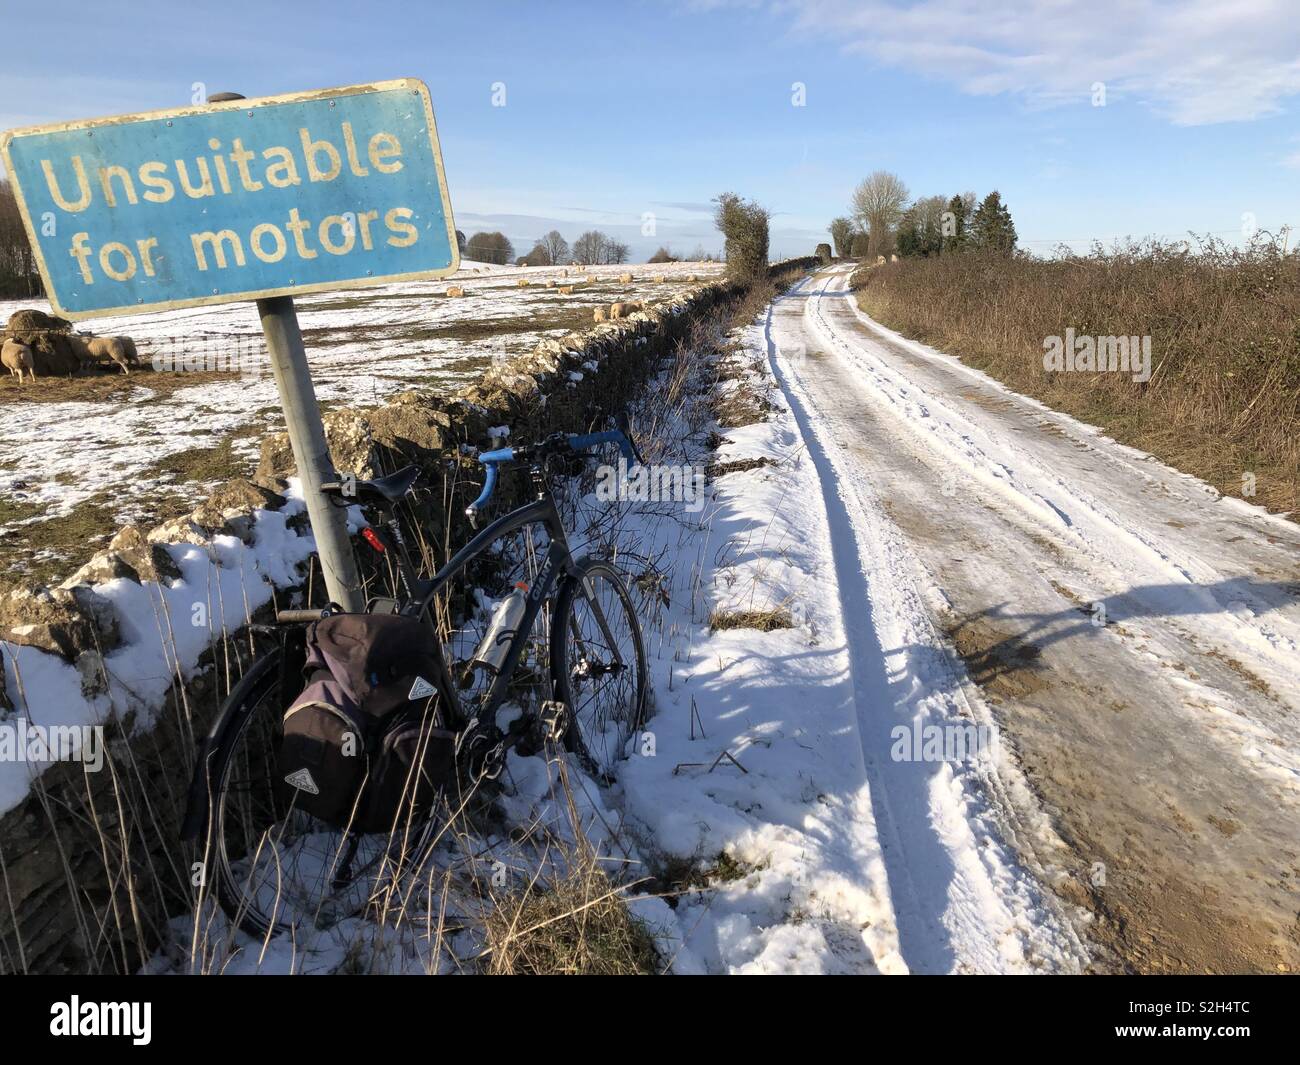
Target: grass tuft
<point>762,620</point>
<point>578,925</point>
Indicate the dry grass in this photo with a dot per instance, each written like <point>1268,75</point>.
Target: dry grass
<point>1224,323</point>
<point>763,620</point>
<point>721,469</point>
<point>577,925</point>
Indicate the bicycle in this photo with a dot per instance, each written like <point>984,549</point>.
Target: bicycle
<point>276,867</point>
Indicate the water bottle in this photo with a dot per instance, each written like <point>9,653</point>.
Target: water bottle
<point>492,651</point>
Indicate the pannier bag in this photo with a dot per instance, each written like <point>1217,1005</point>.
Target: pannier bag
<point>364,743</point>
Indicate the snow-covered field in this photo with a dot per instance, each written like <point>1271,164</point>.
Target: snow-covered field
<point>67,443</point>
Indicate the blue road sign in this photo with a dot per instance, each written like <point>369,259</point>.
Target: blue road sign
<point>237,200</point>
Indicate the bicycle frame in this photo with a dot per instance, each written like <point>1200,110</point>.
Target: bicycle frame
<point>558,563</point>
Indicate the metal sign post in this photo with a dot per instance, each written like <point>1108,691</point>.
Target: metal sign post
<point>329,523</point>
<point>244,200</point>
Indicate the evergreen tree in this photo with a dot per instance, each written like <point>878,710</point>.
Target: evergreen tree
<point>955,236</point>
<point>920,230</point>
<point>991,227</point>
<point>909,240</point>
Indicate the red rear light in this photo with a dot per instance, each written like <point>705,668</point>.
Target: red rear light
<point>369,536</point>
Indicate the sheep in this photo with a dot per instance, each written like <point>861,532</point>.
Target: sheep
<point>17,358</point>
<point>550,282</point>
<point>591,279</point>
<point>622,310</point>
<point>598,315</point>
<point>565,290</point>
<point>94,350</point>
<point>625,279</point>
<point>661,279</point>
<point>522,282</point>
<point>455,290</point>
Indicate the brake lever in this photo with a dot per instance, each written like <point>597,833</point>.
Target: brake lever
<point>624,425</point>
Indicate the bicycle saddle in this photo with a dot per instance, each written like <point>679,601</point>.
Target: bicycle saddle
<point>381,490</point>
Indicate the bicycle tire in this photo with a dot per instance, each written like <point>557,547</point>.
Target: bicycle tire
<point>255,715</point>
<point>598,732</point>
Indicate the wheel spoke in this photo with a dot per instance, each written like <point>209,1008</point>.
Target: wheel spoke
<point>604,670</point>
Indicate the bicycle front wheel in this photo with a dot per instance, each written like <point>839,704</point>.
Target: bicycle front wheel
<point>598,665</point>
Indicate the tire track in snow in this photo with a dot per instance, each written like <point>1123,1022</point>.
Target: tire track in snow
<point>962,901</point>
<point>1183,785</point>
<point>1095,529</point>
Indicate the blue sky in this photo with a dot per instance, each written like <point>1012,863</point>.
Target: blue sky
<point>618,110</point>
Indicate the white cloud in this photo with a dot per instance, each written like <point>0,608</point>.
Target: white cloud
<point>1193,61</point>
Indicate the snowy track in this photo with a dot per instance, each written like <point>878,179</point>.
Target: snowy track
<point>1136,638</point>
<point>848,853</point>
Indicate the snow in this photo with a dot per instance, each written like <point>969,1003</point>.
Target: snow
<point>767,776</point>
<point>766,767</point>
<point>848,861</point>
<point>1149,540</point>
<point>1161,620</point>
<point>165,630</point>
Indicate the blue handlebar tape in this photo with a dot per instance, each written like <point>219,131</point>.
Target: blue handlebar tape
<point>610,436</point>
<point>489,482</point>
<point>576,443</point>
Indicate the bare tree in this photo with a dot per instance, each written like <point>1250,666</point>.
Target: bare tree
<point>18,276</point>
<point>589,247</point>
<point>555,247</point>
<point>878,205</point>
<point>595,248</point>
<point>539,256</point>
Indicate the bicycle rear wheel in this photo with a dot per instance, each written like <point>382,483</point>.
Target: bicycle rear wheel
<point>598,665</point>
<point>277,868</point>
